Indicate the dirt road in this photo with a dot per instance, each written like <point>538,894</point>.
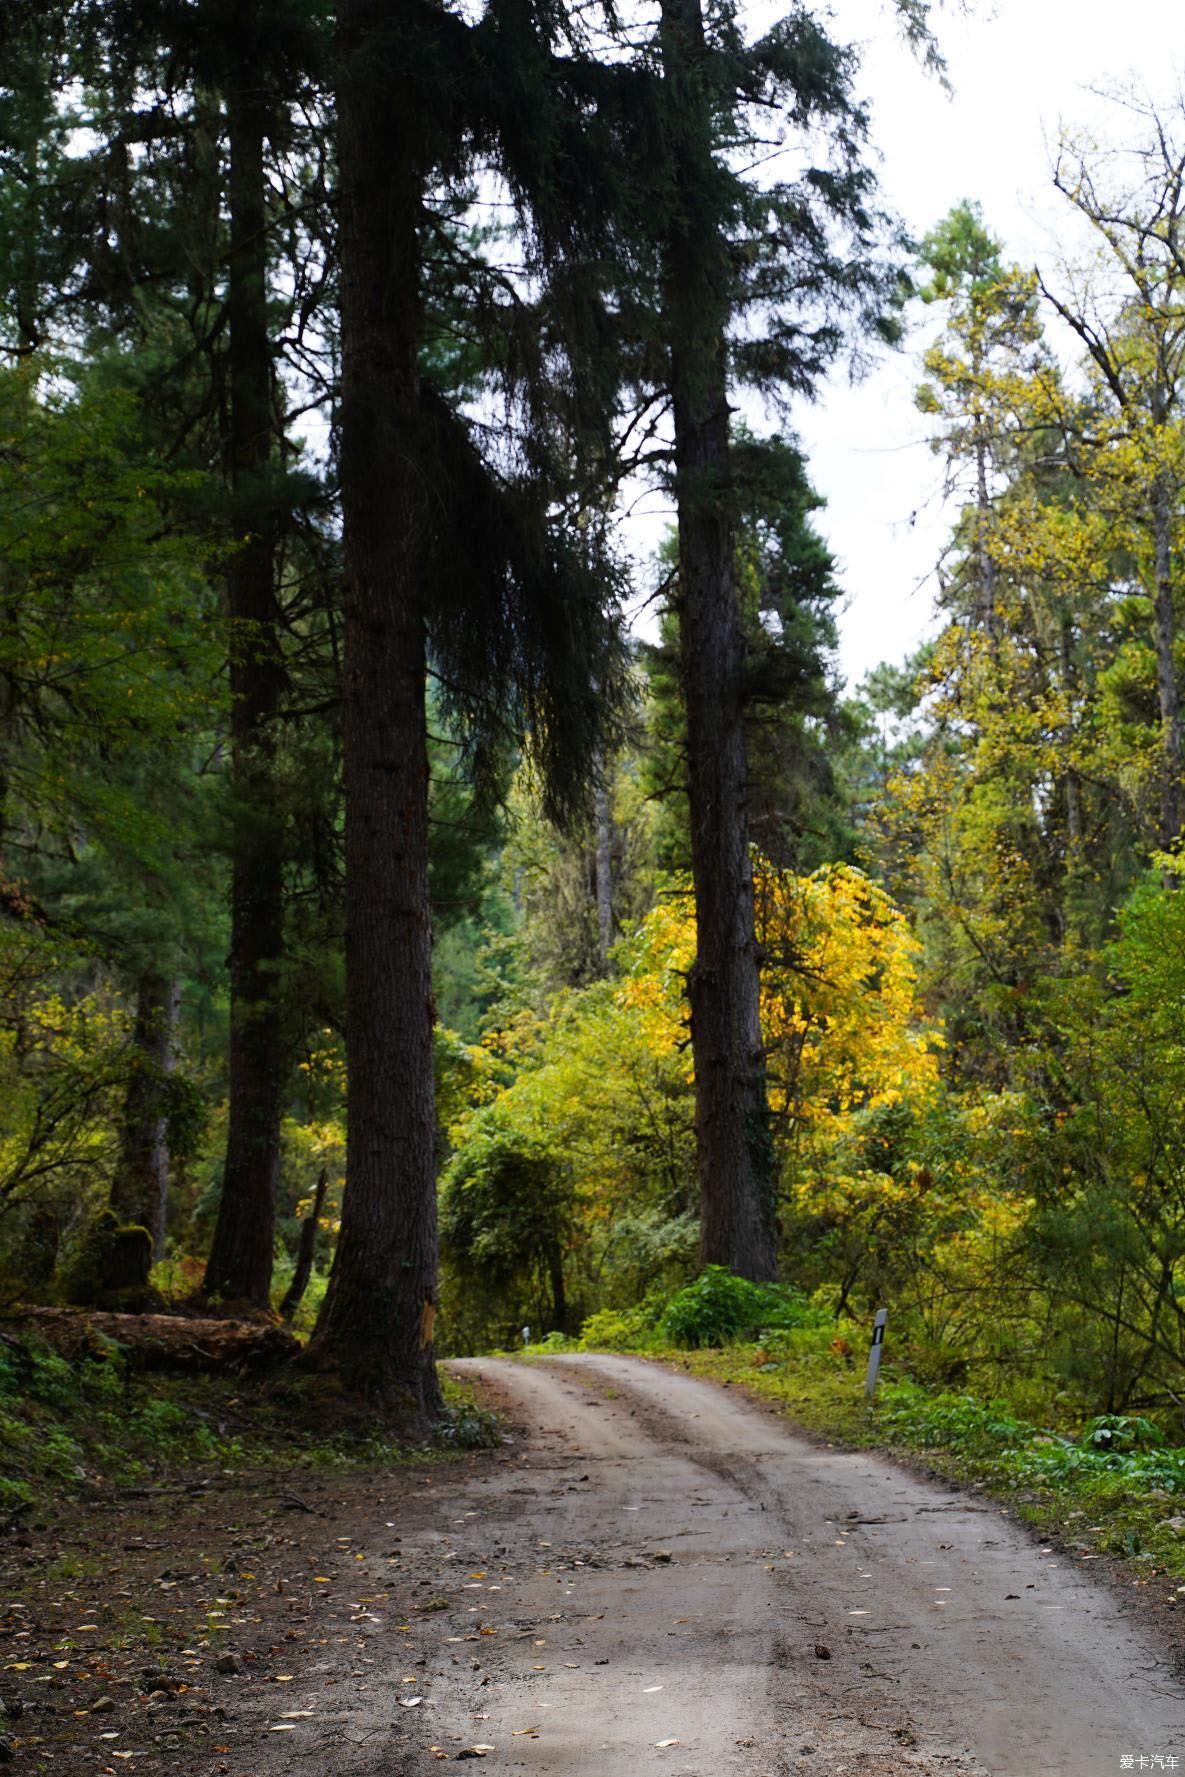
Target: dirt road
<point>677,1583</point>
<point>654,1575</point>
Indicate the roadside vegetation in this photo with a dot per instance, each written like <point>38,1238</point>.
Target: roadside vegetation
<point>1101,1484</point>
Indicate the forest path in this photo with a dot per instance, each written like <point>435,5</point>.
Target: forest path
<point>677,1582</point>
<point>652,1574</point>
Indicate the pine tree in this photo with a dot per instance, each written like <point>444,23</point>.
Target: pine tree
<point>240,1261</point>
<point>201,224</point>
<point>778,259</point>
<point>447,561</point>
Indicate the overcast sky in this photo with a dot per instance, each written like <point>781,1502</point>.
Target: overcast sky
<point>1019,70</point>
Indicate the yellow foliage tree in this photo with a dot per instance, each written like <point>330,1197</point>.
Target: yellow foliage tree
<point>843,1024</point>
<point>582,1164</point>
<point>853,1069</point>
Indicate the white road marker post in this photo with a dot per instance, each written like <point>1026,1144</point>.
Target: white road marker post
<point>526,1336</point>
<point>874,1353</point>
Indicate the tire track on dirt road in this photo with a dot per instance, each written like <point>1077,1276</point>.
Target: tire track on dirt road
<point>680,1568</point>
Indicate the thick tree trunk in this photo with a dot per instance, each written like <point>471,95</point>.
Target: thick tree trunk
<point>733,1142</point>
<point>139,1192</point>
<point>240,1263</point>
<point>377,1320</point>
<point>1168,689</point>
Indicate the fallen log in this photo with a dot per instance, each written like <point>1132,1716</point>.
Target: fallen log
<point>161,1341</point>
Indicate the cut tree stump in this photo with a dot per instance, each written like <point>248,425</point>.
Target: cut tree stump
<point>162,1341</point>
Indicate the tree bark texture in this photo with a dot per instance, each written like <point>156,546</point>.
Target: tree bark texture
<point>240,1263</point>
<point>139,1193</point>
<point>733,1142</point>
<point>377,1320</point>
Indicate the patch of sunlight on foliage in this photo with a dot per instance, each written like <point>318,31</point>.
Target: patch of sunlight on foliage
<point>571,1190</point>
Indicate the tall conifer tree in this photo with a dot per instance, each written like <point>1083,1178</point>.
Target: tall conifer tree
<point>240,1261</point>
<point>448,560</point>
<point>756,287</point>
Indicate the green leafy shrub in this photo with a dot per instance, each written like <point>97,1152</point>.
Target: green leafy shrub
<point>620,1329</point>
<point>719,1307</point>
<point>467,1426</point>
<point>951,1420</point>
<point>1123,1432</point>
<point>1054,1463</point>
<point>506,1212</point>
<point>1126,1450</point>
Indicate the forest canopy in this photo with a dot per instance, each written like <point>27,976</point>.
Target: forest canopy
<point>393,937</point>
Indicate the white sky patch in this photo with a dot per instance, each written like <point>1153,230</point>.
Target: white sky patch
<point>1020,69</point>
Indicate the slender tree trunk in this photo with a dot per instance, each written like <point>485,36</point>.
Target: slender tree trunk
<point>377,1320</point>
<point>306,1252</point>
<point>1072,785</point>
<point>1168,689</point>
<point>240,1263</point>
<point>604,876</point>
<point>139,1192</point>
<point>733,1141</point>
<point>559,1298</point>
<point>986,567</point>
